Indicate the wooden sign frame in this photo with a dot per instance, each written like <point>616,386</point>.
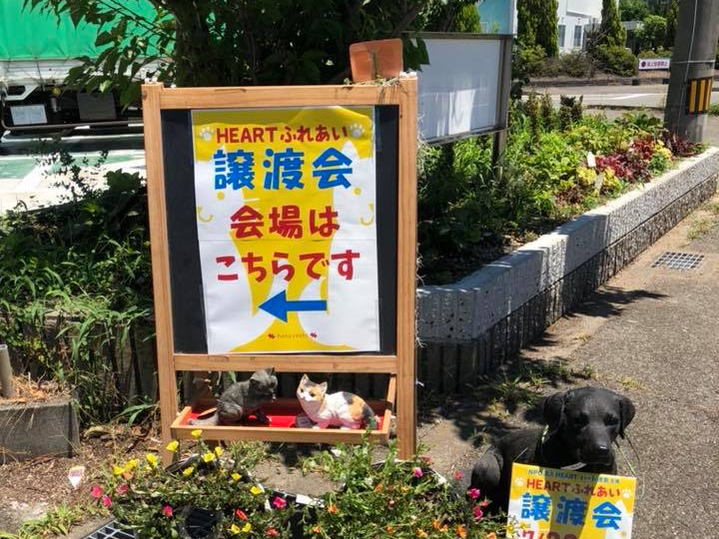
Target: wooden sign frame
<point>401,366</point>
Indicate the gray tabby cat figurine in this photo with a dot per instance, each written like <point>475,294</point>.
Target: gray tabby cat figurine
<point>242,399</point>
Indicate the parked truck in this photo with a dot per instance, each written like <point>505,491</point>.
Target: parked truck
<point>37,50</point>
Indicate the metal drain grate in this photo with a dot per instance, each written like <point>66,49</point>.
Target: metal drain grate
<point>110,531</point>
<point>678,261</point>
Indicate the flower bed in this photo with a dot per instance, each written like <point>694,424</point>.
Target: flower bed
<point>213,493</point>
<point>557,164</point>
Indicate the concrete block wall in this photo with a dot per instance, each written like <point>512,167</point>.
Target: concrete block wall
<point>470,327</point>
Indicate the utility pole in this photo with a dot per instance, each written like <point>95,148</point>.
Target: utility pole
<point>692,68</point>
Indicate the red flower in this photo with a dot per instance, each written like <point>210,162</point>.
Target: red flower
<point>167,511</point>
<point>478,513</point>
<point>279,503</point>
<point>122,489</point>
<point>458,476</point>
<point>473,493</point>
<point>96,492</point>
<point>484,503</point>
<point>106,501</point>
<point>240,514</point>
<point>271,532</point>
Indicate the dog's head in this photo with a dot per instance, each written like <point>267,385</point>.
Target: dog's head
<point>588,420</point>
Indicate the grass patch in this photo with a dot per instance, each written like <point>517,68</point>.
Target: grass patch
<point>700,228</point>
<point>58,521</point>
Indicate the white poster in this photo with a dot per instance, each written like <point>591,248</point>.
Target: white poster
<point>287,231</point>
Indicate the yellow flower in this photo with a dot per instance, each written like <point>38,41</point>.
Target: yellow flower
<point>132,464</point>
<point>218,451</point>
<point>172,446</point>
<point>151,459</point>
<point>234,529</point>
<point>421,533</point>
<point>196,433</point>
<point>523,526</point>
<point>461,531</point>
<point>188,471</point>
<point>405,489</point>
<point>437,525</point>
<point>390,529</point>
<point>510,530</point>
<point>246,528</point>
<point>332,509</point>
<point>235,476</point>
<point>255,490</point>
<point>208,457</point>
<point>116,470</point>
<point>316,529</point>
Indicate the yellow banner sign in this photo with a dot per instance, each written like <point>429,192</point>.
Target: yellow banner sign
<point>546,503</point>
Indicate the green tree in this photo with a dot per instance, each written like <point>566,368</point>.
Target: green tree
<point>526,23</point>
<point>547,29</point>
<point>672,16</point>
<point>633,10</point>
<point>240,42</point>
<point>537,24</point>
<point>653,33</point>
<point>467,20</point>
<point>611,31</point>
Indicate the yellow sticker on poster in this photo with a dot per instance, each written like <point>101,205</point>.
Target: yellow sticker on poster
<point>546,503</point>
<point>286,201</point>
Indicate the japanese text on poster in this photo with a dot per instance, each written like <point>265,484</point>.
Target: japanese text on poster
<point>545,503</point>
<point>286,226</point>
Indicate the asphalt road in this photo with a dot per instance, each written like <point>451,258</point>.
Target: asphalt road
<point>647,96</point>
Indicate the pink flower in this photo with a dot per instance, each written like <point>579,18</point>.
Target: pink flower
<point>484,503</point>
<point>239,513</point>
<point>167,511</point>
<point>458,476</point>
<point>106,501</point>
<point>96,492</point>
<point>122,489</point>
<point>473,493</point>
<point>417,472</point>
<point>279,503</point>
<point>478,513</point>
<point>271,532</point>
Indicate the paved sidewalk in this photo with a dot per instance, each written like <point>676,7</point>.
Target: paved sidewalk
<point>653,335</point>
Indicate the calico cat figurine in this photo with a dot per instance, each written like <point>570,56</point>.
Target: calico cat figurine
<point>341,409</point>
<point>242,399</point>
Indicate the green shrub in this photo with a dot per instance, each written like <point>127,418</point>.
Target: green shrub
<point>531,59</point>
<point>617,60</point>
<point>660,52</point>
<point>576,64</point>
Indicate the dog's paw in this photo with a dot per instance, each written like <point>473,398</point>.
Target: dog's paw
<point>205,134</point>
<point>356,131</point>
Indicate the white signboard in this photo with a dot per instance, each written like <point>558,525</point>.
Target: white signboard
<point>287,231</point>
<point>654,63</point>
<point>460,91</point>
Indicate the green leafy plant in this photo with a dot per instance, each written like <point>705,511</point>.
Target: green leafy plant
<point>155,502</point>
<point>236,43</point>
<point>393,498</point>
<point>75,289</point>
<point>616,59</point>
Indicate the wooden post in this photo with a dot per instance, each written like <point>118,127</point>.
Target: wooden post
<point>160,261</point>
<point>6,383</point>
<point>406,272</point>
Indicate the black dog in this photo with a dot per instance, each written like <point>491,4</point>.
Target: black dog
<point>581,426</point>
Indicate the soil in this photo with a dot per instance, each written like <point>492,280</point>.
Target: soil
<point>29,390</point>
<point>31,487</point>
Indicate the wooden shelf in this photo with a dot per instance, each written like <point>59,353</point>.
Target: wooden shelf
<point>282,412</point>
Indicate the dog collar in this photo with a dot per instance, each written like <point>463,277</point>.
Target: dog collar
<point>571,467</point>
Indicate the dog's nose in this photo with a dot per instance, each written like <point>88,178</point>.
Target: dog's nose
<point>601,450</point>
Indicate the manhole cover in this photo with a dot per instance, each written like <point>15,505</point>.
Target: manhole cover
<point>678,261</point>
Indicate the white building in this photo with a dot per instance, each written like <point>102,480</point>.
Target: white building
<point>572,18</point>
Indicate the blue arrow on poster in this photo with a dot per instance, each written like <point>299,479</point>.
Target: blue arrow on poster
<point>278,306</point>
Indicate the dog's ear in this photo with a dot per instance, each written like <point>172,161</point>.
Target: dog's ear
<point>626,414</point>
<point>554,411</point>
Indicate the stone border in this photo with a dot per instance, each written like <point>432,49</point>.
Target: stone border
<point>474,325</point>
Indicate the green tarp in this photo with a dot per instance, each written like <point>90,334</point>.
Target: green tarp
<point>31,35</point>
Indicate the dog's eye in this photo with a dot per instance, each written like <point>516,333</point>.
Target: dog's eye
<point>611,420</point>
